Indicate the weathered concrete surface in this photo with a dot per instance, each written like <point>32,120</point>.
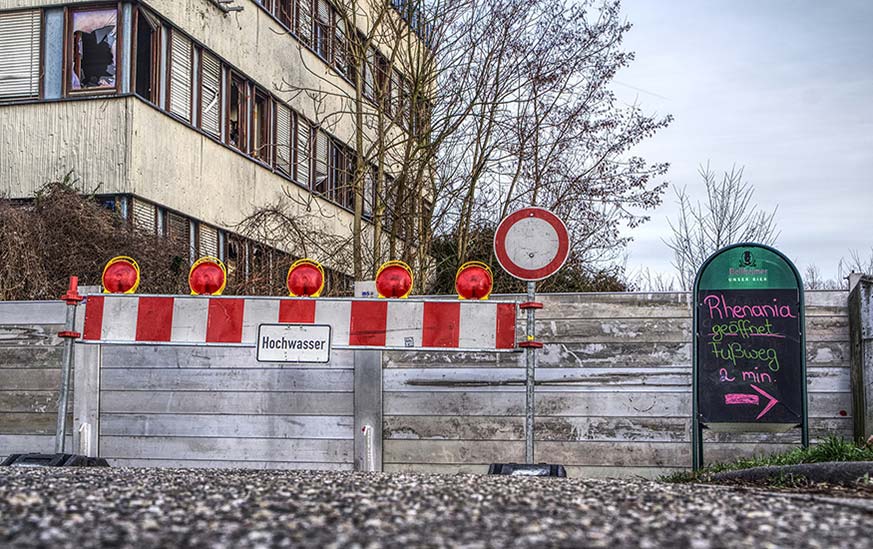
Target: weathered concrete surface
<point>832,472</point>
<point>233,508</point>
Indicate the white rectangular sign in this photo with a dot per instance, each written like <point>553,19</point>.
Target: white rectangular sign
<point>293,343</point>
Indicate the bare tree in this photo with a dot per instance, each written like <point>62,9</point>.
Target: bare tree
<point>728,216</point>
<point>497,105</point>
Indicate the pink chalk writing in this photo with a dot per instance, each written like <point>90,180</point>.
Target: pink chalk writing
<point>720,308</point>
<point>739,398</point>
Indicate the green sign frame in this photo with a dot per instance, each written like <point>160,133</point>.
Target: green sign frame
<point>745,266</point>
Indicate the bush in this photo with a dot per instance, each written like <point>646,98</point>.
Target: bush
<point>62,233</point>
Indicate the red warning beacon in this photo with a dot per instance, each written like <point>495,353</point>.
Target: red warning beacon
<point>207,276</point>
<point>120,275</point>
<point>474,280</point>
<point>305,278</point>
<point>394,279</point>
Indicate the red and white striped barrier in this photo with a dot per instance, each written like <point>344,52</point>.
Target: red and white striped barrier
<point>383,324</point>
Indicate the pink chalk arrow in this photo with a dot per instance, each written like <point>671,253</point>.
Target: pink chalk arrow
<point>769,405</point>
<point>740,398</point>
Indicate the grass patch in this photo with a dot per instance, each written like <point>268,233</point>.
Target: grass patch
<point>830,449</point>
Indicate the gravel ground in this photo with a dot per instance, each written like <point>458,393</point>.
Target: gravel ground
<point>84,508</point>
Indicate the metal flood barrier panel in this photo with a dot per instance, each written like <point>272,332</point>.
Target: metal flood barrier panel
<point>174,381</point>
<point>613,395</point>
<point>30,359</point>
<point>613,392</point>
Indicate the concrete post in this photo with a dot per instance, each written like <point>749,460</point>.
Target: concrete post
<point>861,343</point>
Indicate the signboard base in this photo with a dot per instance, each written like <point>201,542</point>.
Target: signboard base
<point>528,470</point>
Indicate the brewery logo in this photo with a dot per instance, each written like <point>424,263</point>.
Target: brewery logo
<point>747,270</point>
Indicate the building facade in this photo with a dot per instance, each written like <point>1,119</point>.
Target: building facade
<point>187,116</point>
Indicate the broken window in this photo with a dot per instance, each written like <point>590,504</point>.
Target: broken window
<point>236,113</point>
<point>210,94</point>
<point>19,54</point>
<point>92,49</point>
<point>179,98</point>
<point>147,48</point>
<point>261,126</point>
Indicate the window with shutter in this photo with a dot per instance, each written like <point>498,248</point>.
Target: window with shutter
<point>144,216</point>
<point>304,21</point>
<point>178,228</point>
<point>180,76</point>
<point>321,163</point>
<point>369,74</point>
<point>208,240</point>
<point>19,54</point>
<point>283,138</point>
<point>210,95</point>
<point>303,148</point>
<point>369,191</point>
<point>340,47</point>
<point>323,30</point>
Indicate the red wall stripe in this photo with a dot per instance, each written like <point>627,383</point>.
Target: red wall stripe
<point>297,311</point>
<point>441,324</point>
<point>506,314</point>
<point>368,322</point>
<point>93,318</point>
<point>154,319</point>
<point>225,321</point>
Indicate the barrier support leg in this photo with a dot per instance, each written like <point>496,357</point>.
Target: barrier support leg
<point>368,410</point>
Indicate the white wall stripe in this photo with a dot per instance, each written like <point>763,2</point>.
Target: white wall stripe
<point>189,319</point>
<point>478,326</point>
<point>121,315</point>
<point>257,312</point>
<point>338,315</point>
<point>404,320</point>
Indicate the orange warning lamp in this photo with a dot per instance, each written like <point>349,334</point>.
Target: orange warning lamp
<point>120,275</point>
<point>474,280</point>
<point>207,276</point>
<point>305,278</point>
<point>394,279</point>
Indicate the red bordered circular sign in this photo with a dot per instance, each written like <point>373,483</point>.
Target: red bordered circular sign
<point>531,244</point>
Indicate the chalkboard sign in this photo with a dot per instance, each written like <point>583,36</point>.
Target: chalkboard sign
<point>749,348</point>
<point>749,356</point>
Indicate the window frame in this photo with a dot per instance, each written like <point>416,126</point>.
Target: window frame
<point>242,111</point>
<point>69,12</point>
<point>155,55</point>
<point>264,127</point>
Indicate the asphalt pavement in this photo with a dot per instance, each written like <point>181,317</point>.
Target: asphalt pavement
<point>86,507</point>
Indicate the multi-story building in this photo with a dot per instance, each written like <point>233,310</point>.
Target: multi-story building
<point>190,115</point>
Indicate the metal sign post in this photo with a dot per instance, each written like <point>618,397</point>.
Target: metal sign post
<point>530,358</point>
<point>531,244</point>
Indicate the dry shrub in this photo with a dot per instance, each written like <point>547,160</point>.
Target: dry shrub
<point>62,233</point>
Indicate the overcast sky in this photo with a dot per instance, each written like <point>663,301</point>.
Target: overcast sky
<point>784,88</point>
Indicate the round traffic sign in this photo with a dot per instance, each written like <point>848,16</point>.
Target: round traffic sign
<point>531,244</point>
